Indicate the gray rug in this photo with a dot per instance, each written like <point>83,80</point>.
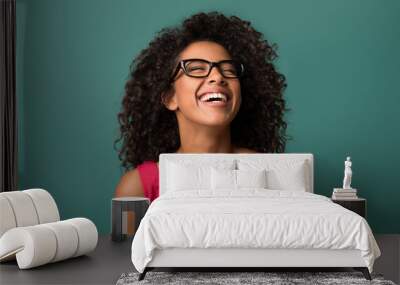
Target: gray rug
<point>231,278</point>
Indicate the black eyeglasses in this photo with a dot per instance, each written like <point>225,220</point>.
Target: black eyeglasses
<point>201,68</point>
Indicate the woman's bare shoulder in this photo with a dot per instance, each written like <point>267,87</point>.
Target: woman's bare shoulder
<point>129,184</point>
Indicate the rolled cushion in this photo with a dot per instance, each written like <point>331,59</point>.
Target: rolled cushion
<point>87,234</point>
<point>40,244</point>
<point>66,238</point>
<point>23,208</point>
<point>46,207</point>
<point>33,246</point>
<point>7,218</point>
<point>26,208</point>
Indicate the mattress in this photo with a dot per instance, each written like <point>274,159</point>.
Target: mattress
<point>250,219</point>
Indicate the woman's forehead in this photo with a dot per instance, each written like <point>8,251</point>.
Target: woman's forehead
<point>207,50</point>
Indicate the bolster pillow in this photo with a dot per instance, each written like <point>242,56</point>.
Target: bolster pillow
<point>26,208</point>
<point>51,242</point>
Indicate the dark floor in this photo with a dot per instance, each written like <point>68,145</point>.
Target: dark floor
<point>106,264</point>
<point>389,262</point>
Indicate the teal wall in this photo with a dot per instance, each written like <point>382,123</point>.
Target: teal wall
<point>341,60</point>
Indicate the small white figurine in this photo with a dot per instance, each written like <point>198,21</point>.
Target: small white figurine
<point>347,174</point>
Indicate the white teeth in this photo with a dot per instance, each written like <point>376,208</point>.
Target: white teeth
<point>208,96</point>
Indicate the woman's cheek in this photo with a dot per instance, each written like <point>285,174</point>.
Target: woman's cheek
<point>188,104</point>
<point>238,102</point>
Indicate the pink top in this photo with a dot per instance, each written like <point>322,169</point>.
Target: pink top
<point>148,172</point>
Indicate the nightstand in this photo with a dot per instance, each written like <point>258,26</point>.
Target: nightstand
<point>358,205</point>
<point>138,205</point>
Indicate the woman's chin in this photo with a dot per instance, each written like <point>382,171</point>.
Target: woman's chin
<point>217,123</point>
<point>211,119</point>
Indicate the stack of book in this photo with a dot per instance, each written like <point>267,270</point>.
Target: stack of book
<point>344,194</point>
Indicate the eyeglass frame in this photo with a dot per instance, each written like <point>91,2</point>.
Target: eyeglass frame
<point>181,65</point>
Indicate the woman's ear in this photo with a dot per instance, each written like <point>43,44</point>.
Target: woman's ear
<point>168,98</point>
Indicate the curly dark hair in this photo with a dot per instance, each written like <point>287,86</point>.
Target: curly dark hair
<point>148,128</point>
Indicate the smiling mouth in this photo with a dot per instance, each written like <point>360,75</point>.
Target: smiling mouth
<point>215,103</point>
<point>214,97</point>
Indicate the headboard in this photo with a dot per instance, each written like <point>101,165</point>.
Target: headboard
<point>201,157</point>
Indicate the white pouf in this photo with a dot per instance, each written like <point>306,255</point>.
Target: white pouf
<point>31,231</point>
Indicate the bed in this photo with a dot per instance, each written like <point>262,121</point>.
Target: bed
<point>245,211</point>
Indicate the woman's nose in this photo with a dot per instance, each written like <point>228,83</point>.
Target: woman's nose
<point>215,76</point>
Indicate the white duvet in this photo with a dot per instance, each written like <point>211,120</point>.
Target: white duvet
<point>251,218</point>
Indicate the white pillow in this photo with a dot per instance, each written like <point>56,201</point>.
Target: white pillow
<point>251,178</point>
<point>223,179</point>
<point>236,179</point>
<point>287,179</point>
<point>281,174</point>
<point>188,176</point>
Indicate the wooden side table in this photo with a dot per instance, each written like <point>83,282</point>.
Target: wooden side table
<point>358,205</point>
<point>139,205</point>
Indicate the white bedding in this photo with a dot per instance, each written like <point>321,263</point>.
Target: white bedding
<point>250,218</point>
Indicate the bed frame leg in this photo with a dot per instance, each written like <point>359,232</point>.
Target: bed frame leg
<point>364,271</point>
<point>143,274</point>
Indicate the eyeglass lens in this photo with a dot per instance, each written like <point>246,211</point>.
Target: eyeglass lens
<point>198,68</point>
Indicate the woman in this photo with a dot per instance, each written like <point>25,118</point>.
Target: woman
<point>207,86</point>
